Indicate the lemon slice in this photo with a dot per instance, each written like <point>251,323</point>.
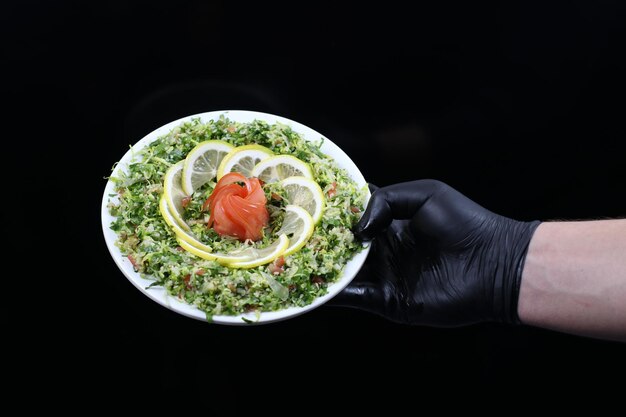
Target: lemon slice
<point>202,162</point>
<point>248,257</point>
<point>279,167</point>
<point>187,239</point>
<point>306,193</point>
<point>185,235</point>
<point>298,224</point>
<point>243,159</point>
<point>173,193</point>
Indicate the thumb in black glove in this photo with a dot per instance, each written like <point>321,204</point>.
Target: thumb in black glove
<point>438,258</point>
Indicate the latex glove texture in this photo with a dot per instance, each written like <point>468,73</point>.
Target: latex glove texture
<point>438,258</point>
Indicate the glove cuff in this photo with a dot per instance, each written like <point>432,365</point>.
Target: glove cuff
<point>519,250</point>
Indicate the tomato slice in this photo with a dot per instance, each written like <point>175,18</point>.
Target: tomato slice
<point>253,216</point>
<point>227,224</point>
<point>236,210</point>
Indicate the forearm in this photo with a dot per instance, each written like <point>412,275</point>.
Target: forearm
<point>574,279</point>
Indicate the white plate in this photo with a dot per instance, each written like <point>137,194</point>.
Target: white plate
<point>159,294</point>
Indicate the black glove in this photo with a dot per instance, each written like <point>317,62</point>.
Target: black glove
<point>438,258</point>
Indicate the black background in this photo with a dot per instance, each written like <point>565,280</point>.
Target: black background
<point>519,105</point>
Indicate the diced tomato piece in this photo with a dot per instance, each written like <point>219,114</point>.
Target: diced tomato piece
<point>333,190</point>
<point>316,279</point>
<point>132,260</point>
<point>276,267</point>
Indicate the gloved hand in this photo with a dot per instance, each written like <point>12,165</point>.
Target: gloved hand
<point>438,258</point>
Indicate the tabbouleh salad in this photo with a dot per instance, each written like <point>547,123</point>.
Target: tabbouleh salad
<point>151,246</point>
